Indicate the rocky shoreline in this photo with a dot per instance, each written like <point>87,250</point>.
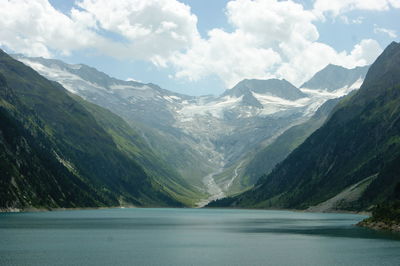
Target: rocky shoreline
<point>380,225</point>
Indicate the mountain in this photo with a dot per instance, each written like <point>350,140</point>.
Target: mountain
<point>352,161</point>
<point>261,158</point>
<point>59,151</point>
<point>147,108</point>
<point>334,77</point>
<point>214,134</point>
<point>273,87</point>
<point>267,158</point>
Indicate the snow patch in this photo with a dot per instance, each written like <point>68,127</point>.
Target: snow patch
<point>319,97</point>
<point>71,82</point>
<point>175,97</point>
<point>213,108</point>
<point>128,87</point>
<point>333,94</point>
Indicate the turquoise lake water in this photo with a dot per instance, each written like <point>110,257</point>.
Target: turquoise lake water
<point>191,237</point>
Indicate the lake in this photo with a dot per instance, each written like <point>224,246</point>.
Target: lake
<point>191,237</point>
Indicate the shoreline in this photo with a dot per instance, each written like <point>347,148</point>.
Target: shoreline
<point>380,225</point>
<point>32,209</point>
<point>367,223</point>
<point>365,213</point>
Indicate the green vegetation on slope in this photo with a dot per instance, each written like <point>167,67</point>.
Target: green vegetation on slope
<point>134,146</point>
<point>387,212</point>
<point>31,173</point>
<point>56,154</point>
<point>386,216</point>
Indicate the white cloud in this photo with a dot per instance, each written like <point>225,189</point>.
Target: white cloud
<point>230,56</point>
<point>390,33</point>
<point>149,29</point>
<point>270,38</point>
<point>35,28</point>
<point>152,29</point>
<point>267,32</point>
<point>272,21</point>
<point>336,7</point>
<point>363,53</point>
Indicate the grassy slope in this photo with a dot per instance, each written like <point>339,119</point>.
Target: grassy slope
<point>133,145</point>
<point>42,112</point>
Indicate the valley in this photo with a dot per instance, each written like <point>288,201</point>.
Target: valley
<point>213,189</point>
<point>207,139</point>
<point>229,150</point>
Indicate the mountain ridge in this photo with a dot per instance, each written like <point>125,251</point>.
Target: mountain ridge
<point>274,87</point>
<point>334,77</point>
<point>358,141</point>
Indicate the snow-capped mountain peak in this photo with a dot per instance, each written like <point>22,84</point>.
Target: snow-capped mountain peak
<point>273,87</point>
<point>333,78</point>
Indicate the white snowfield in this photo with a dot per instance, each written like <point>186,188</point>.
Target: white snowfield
<point>214,108</point>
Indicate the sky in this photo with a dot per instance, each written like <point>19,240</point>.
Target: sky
<point>199,47</point>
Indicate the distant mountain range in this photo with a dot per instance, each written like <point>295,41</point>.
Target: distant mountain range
<point>198,136</point>
<point>352,162</point>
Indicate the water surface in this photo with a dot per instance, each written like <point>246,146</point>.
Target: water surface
<point>191,237</point>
